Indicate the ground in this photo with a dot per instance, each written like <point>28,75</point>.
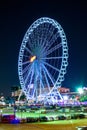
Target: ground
<point>67,124</point>
<point>54,125</point>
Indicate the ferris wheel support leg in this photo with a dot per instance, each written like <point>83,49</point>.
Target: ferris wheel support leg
<point>60,95</point>
<point>20,95</point>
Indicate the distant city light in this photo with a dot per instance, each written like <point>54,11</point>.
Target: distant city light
<point>85,88</point>
<point>80,90</point>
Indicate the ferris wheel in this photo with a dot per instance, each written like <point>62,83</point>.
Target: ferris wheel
<point>43,58</point>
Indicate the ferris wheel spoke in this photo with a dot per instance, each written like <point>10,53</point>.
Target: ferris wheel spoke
<point>41,81</point>
<point>53,39</point>
<point>45,34</point>
<point>53,49</point>
<point>30,70</point>
<point>51,66</point>
<point>26,62</point>
<point>32,74</point>
<point>48,85</point>
<point>26,68</point>
<point>48,35</point>
<point>42,40</point>
<point>31,38</point>
<point>41,85</point>
<point>25,56</point>
<point>34,91</point>
<point>28,50</point>
<point>50,32</point>
<point>35,38</point>
<point>48,73</point>
<point>30,43</point>
<point>42,45</point>
<point>38,42</point>
<point>31,78</point>
<point>35,86</point>
<point>45,58</point>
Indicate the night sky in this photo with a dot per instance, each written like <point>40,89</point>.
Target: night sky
<point>15,19</point>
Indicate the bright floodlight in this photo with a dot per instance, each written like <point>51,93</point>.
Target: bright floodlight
<point>80,90</point>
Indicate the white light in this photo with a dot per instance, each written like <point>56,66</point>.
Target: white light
<point>0,111</point>
<point>80,90</point>
<point>31,86</point>
<point>65,97</point>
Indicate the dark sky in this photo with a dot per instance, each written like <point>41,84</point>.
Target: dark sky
<point>15,19</point>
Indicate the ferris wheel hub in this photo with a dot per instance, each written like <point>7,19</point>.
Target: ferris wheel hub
<point>32,58</point>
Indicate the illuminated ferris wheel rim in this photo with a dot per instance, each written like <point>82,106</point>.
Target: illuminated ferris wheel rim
<point>64,50</point>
